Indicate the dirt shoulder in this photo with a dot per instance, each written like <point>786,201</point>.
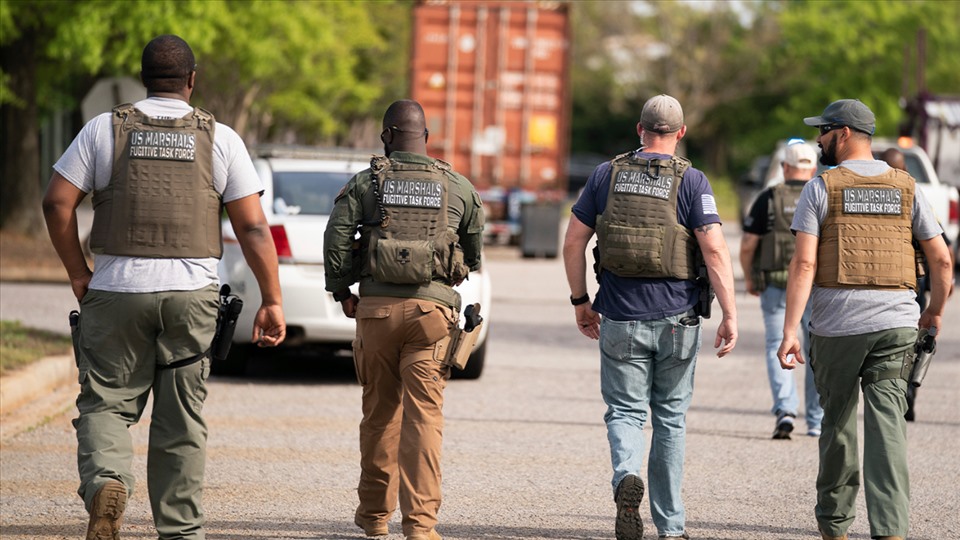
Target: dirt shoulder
<point>29,258</point>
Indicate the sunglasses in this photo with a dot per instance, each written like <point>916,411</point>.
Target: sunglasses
<point>830,127</point>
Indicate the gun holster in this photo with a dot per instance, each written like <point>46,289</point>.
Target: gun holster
<point>459,344</point>
<point>460,347</point>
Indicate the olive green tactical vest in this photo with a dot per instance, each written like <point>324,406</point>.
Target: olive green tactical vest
<point>772,258</point>
<point>160,201</point>
<point>410,246</point>
<point>638,233</point>
<point>865,240</point>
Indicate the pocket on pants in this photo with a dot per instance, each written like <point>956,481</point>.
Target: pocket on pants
<point>686,341</point>
<point>358,360</point>
<point>433,323</point>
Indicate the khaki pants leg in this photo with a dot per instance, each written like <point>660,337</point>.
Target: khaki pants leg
<point>839,362</point>
<point>402,426</point>
<point>886,481</point>
<point>125,342</point>
<point>116,363</point>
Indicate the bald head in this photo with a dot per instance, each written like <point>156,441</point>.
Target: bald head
<point>404,128</point>
<point>167,64</point>
<point>894,158</point>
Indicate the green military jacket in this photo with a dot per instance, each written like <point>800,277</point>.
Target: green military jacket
<point>356,209</point>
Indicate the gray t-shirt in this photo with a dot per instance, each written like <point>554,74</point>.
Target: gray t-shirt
<point>87,164</point>
<point>847,312</point>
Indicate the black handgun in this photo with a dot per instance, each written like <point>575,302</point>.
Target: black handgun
<point>227,315</point>
<point>472,318</point>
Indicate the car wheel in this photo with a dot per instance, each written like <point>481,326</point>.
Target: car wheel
<point>474,366</point>
<point>235,364</point>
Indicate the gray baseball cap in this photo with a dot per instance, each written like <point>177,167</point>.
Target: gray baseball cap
<point>662,114</point>
<point>846,112</point>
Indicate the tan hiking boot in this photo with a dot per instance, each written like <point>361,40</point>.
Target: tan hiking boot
<point>432,535</point>
<point>889,538</point>
<point>371,529</point>
<point>107,512</point>
<point>826,536</point>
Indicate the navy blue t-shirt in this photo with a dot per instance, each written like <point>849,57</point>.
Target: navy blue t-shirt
<point>647,299</point>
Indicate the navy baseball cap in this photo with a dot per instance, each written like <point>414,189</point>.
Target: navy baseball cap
<point>846,112</point>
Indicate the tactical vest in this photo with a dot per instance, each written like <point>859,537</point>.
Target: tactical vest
<point>410,242</point>
<point>638,234</point>
<point>772,258</point>
<point>161,201</point>
<point>865,240</point>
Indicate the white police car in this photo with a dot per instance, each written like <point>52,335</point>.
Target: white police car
<point>300,185</point>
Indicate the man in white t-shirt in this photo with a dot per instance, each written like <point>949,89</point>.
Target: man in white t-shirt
<point>160,172</point>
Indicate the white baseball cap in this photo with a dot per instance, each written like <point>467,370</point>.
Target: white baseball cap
<point>800,155</point>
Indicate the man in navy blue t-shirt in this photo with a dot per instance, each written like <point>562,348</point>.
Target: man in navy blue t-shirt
<point>655,218</point>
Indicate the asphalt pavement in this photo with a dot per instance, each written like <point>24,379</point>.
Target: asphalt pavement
<point>525,452</point>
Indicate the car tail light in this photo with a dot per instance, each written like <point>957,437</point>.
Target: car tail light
<point>954,212</point>
<point>280,240</point>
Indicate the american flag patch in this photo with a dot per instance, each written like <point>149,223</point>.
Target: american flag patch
<point>709,204</point>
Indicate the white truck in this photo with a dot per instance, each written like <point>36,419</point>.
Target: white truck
<point>944,198</point>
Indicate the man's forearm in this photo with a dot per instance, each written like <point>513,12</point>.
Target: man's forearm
<point>261,256</point>
<point>62,228</point>
<point>799,285</point>
<point>720,271</point>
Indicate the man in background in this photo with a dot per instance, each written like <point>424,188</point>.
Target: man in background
<point>765,252</point>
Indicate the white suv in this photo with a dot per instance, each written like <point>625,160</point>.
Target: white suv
<point>300,185</point>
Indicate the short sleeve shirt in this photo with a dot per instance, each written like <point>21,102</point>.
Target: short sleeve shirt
<point>644,299</point>
<point>88,163</point>
<point>844,312</point>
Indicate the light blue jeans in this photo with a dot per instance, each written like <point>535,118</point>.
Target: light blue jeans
<point>773,303</point>
<point>649,365</point>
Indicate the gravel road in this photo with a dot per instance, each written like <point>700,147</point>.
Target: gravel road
<point>525,450</point>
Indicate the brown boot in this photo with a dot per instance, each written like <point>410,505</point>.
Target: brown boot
<point>432,535</point>
<point>371,528</point>
<point>889,538</point>
<point>106,515</point>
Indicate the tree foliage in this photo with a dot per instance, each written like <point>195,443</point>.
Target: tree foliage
<point>748,73</point>
<point>281,70</point>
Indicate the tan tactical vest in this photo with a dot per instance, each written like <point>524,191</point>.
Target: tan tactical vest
<point>638,233</point>
<point>411,244</point>
<point>161,201</point>
<point>772,258</point>
<point>865,241</point>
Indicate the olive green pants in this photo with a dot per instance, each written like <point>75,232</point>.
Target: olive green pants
<point>838,364</point>
<point>402,428</point>
<point>125,341</point>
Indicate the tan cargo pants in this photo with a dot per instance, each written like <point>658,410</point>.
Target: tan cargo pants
<point>402,428</point>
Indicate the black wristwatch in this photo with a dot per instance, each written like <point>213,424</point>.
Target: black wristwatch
<point>581,300</point>
<point>340,296</point>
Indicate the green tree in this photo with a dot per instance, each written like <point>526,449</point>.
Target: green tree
<point>289,70</point>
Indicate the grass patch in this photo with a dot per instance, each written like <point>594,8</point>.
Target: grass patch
<point>20,346</point>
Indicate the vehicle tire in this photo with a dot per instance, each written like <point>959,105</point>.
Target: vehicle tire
<point>474,366</point>
<point>235,364</point>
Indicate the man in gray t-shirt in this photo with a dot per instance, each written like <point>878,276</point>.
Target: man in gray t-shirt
<point>160,172</point>
<point>854,227</point>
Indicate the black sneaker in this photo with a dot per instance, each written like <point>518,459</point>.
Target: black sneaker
<point>629,494</point>
<point>784,426</point>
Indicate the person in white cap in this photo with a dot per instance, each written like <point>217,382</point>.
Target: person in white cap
<point>855,262</point>
<point>660,248</point>
<point>765,252</point>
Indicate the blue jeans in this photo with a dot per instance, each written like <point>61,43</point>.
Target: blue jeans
<point>649,365</point>
<point>773,302</point>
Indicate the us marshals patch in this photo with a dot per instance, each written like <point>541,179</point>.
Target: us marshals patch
<point>167,145</point>
<point>885,201</point>
<point>641,183</point>
<point>415,193</point>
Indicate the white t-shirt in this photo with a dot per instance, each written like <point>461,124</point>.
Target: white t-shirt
<point>838,311</point>
<point>87,164</point>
